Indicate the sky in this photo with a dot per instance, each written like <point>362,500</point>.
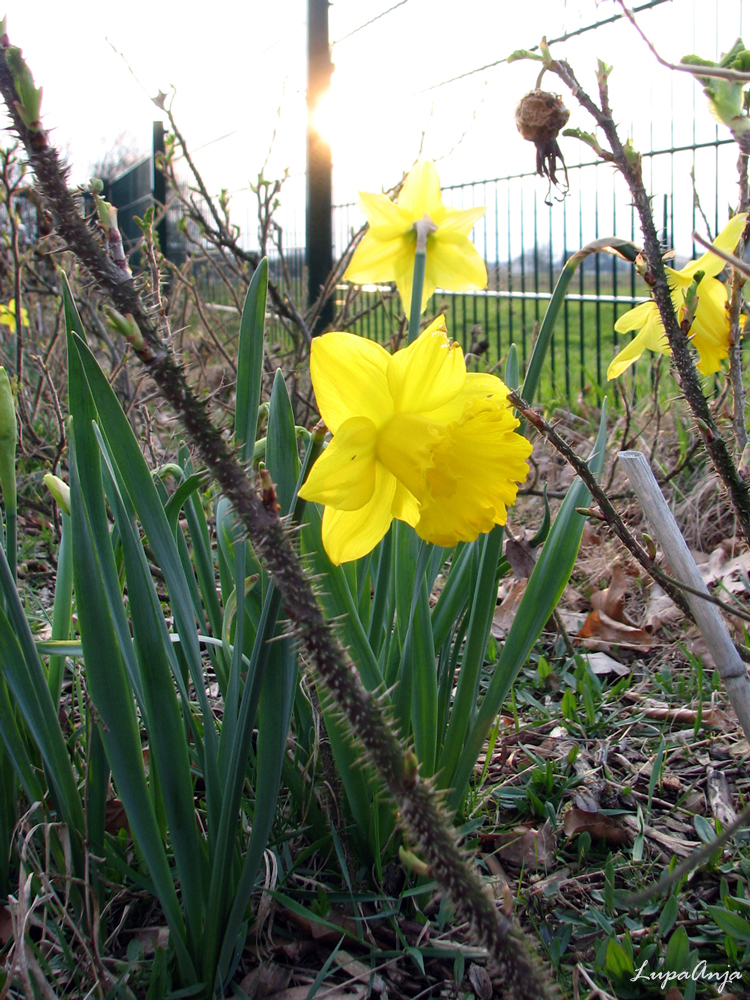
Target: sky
<point>239,76</point>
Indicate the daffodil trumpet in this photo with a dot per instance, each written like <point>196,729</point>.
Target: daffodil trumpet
<point>415,437</point>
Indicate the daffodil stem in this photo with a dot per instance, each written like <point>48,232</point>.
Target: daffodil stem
<point>415,315</point>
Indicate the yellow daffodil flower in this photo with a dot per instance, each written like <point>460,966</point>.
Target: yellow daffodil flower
<point>8,315</point>
<point>387,250</point>
<point>415,437</point>
<point>710,328</point>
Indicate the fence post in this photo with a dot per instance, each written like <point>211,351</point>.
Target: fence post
<point>318,225</point>
<point>159,187</point>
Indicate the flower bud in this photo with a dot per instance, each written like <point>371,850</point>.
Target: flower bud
<point>8,434</point>
<point>59,490</point>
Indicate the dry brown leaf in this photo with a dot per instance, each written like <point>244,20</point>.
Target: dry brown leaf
<point>673,994</point>
<point>115,818</point>
<point>685,716</point>
<point>302,992</point>
<point>318,931</point>
<point>694,801</point>
<point>660,610</point>
<point>600,629</point>
<point>524,845</point>
<point>521,558</point>
<point>506,612</point>
<point>722,565</point>
<point>358,970</point>
<point>602,663</point>
<point>720,798</point>
<point>480,982</point>
<point>268,977</point>
<point>611,602</point>
<point>152,938</point>
<point>597,825</point>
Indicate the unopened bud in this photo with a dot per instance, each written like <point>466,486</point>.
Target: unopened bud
<point>59,490</point>
<point>8,434</point>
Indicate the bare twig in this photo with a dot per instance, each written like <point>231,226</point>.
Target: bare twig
<point>672,586</point>
<point>628,162</point>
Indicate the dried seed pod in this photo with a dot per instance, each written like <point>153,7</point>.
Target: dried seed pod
<point>539,118</point>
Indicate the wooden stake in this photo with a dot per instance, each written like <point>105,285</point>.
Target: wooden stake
<point>731,668</point>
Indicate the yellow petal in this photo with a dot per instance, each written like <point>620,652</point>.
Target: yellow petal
<point>710,330</point>
<point>351,534</point>
<point>459,222</point>
<point>478,385</point>
<point>651,337</point>
<point>626,357</point>
<point>635,318</point>
<point>456,266</point>
<point>387,220</point>
<point>727,240</point>
<point>344,475</point>
<point>421,195</point>
<point>349,377</point>
<point>405,505</point>
<point>404,284</point>
<point>381,260</point>
<point>427,373</point>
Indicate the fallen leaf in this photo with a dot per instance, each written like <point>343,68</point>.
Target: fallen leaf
<point>519,555</point>
<point>524,845</point>
<point>694,801</point>
<point>152,938</point>
<point>602,663</point>
<point>506,612</point>
<point>358,970</point>
<point>611,602</point>
<point>597,825</point>
<point>572,621</point>
<point>302,992</point>
<point>318,930</point>
<point>480,981</point>
<point>115,818</point>
<point>660,610</point>
<point>740,748</point>
<point>600,628</point>
<point>720,798</point>
<point>685,716</point>
<point>268,977</point>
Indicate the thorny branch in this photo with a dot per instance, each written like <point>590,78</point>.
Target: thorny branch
<point>628,162</point>
<point>670,585</point>
<point>420,805</point>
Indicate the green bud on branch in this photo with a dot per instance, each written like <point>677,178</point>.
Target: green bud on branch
<point>126,326</point>
<point>29,107</point>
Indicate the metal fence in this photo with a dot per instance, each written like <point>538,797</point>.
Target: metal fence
<point>525,243</point>
<point>525,240</point>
